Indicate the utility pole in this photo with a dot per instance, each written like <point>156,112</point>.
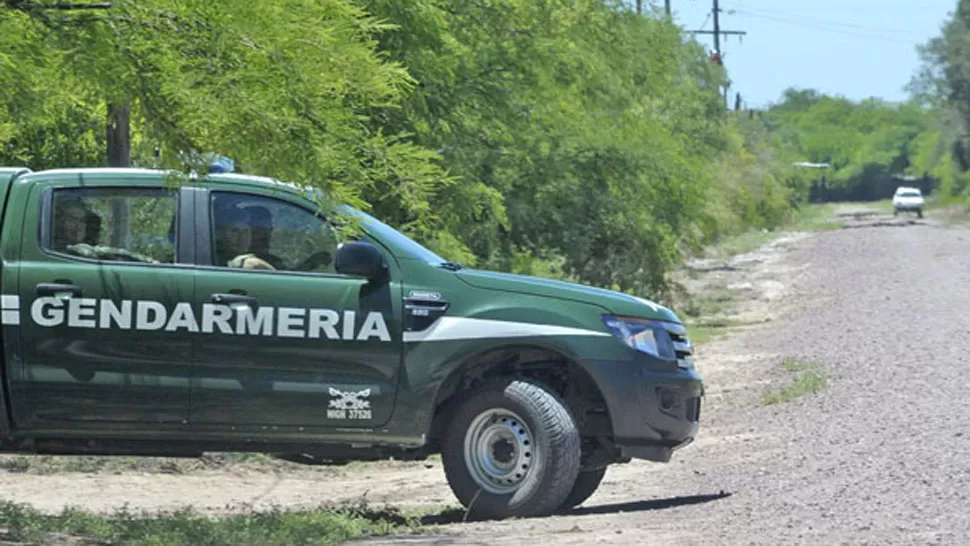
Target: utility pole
<point>639,7</point>
<point>717,32</point>
<point>667,8</point>
<point>718,56</point>
<point>717,28</point>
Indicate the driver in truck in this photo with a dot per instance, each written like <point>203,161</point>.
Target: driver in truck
<point>234,238</point>
<point>261,228</point>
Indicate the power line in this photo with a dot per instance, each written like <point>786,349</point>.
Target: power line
<point>788,13</point>
<point>706,19</point>
<point>801,19</point>
<point>870,33</point>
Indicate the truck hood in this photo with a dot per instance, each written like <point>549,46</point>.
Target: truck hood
<point>614,302</point>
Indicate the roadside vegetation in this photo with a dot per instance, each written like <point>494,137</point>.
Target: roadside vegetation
<point>53,464</point>
<point>22,524</point>
<point>943,88</point>
<point>711,312</point>
<point>808,377</point>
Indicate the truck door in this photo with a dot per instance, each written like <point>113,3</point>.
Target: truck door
<point>297,345</point>
<point>104,338</point>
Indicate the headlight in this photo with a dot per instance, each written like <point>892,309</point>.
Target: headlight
<point>646,336</point>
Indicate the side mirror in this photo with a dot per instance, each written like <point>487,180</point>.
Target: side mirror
<point>361,259</point>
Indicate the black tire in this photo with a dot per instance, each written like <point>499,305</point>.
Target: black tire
<point>586,484</point>
<point>919,213</point>
<point>531,430</point>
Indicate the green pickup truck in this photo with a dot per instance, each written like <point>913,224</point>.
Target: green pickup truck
<point>226,313</point>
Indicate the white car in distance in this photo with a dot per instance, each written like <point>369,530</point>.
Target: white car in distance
<point>908,199</point>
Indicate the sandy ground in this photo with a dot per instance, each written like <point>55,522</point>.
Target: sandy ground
<point>879,456</point>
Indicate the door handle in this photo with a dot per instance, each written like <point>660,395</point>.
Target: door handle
<point>52,288</point>
<point>232,298</point>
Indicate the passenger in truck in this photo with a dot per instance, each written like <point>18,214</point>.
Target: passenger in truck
<point>233,240</point>
<point>74,224</point>
<point>261,228</point>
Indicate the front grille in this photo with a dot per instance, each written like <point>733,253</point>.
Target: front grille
<point>683,348</point>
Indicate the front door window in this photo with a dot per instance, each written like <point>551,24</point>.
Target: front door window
<point>256,232</point>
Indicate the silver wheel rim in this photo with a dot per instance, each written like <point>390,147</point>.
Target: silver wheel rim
<point>499,451</point>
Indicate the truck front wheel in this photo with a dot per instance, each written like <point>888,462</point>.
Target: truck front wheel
<point>586,484</point>
<point>511,449</point>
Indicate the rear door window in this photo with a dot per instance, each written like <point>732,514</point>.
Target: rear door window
<point>114,224</point>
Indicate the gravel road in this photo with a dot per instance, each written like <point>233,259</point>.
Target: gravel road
<point>880,456</point>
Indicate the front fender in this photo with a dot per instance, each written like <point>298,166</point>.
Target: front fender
<point>468,333</point>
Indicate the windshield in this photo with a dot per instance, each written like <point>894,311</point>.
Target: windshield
<point>394,237</point>
<point>910,194</point>
<point>380,230</point>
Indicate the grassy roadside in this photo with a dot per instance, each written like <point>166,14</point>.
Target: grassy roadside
<point>809,378</point>
<point>54,464</point>
<point>814,217</point>
<point>21,524</point>
<point>951,214</point>
<point>709,313</point>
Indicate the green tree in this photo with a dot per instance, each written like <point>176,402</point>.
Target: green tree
<point>865,143</point>
<point>943,83</point>
<point>283,86</point>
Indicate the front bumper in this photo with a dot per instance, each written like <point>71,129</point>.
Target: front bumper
<point>654,410</point>
<point>908,206</point>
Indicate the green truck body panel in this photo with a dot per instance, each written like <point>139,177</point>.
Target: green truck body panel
<point>612,302</point>
<point>188,349</point>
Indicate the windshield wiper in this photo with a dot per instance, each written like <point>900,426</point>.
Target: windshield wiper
<point>450,266</point>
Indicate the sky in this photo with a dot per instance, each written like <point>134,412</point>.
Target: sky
<point>854,48</point>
